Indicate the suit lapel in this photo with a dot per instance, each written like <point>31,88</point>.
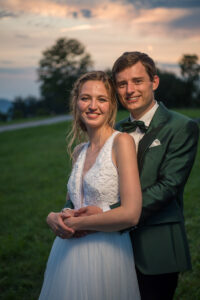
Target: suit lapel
<point>160,117</point>
<point>144,144</point>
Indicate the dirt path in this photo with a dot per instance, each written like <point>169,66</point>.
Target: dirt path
<point>36,123</point>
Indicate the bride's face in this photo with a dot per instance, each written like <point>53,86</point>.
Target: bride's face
<point>93,104</point>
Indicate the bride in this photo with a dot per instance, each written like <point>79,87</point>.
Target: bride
<point>100,265</point>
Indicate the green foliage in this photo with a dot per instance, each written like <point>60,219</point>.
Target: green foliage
<point>171,90</point>
<point>34,172</point>
<point>60,66</point>
<point>27,107</point>
<point>122,114</point>
<point>180,92</point>
<point>190,69</point>
<point>3,117</point>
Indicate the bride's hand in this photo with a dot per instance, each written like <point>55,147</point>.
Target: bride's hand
<point>56,223</point>
<point>72,222</point>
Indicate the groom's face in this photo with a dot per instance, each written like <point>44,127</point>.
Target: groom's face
<point>136,90</point>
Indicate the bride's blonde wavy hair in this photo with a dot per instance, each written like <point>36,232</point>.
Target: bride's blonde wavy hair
<point>79,132</point>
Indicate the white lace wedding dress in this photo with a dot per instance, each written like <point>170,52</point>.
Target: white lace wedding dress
<point>99,266</point>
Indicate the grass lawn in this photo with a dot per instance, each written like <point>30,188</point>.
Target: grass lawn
<point>191,113</point>
<point>34,172</point>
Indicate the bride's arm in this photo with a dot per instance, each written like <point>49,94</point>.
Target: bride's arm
<point>55,220</point>
<point>126,215</point>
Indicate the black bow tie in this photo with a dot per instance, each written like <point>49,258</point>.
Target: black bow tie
<point>131,126</point>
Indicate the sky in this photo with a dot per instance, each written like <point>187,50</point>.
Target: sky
<point>165,29</point>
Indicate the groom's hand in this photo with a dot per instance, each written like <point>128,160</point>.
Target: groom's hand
<point>88,211</point>
<point>56,223</point>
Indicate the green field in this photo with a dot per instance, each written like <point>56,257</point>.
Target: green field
<point>34,172</point>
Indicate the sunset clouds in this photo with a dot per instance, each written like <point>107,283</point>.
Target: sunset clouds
<point>164,28</point>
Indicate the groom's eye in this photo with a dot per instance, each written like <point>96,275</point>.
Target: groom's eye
<point>121,84</point>
<point>138,81</point>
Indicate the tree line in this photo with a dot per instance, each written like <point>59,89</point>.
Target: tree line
<point>67,59</point>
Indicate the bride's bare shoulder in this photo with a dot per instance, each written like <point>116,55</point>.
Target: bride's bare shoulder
<point>124,139</point>
<point>123,148</point>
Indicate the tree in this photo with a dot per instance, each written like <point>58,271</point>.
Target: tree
<point>58,69</point>
<point>190,70</point>
<point>27,107</point>
<point>171,90</point>
<point>19,108</point>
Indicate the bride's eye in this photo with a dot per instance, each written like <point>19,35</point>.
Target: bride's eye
<point>103,99</point>
<point>84,98</point>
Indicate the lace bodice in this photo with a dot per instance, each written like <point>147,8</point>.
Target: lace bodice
<point>100,184</point>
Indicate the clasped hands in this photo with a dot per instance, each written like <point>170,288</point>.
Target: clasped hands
<point>64,224</point>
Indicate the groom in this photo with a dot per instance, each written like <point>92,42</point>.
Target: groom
<point>166,143</point>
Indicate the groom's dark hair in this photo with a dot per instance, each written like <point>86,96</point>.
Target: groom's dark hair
<point>128,59</point>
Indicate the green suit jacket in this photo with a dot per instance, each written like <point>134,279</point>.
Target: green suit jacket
<point>159,242</point>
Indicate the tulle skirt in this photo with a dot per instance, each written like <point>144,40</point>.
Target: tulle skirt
<point>99,266</point>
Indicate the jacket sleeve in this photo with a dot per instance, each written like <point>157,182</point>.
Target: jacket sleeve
<point>69,204</point>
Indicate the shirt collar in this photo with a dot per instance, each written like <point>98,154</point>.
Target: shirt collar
<point>148,116</point>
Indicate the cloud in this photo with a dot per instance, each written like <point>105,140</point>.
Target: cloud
<point>6,62</point>
<point>75,14</point>
<point>164,3</point>
<point>37,7</point>
<point>81,3</point>
<point>169,67</point>
<point>83,27</point>
<point>86,9</point>
<point>171,23</point>
<point>190,21</point>
<point>129,11</point>
<point>86,13</point>
<point>14,71</point>
<point>146,17</point>
<point>22,36</point>
<point>46,8</point>
<point>159,16</point>
<point>5,14</point>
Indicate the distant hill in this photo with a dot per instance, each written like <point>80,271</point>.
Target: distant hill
<point>5,105</point>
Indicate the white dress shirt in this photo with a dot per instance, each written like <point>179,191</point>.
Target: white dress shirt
<point>138,134</point>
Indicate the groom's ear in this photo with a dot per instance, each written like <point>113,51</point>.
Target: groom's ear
<point>156,81</point>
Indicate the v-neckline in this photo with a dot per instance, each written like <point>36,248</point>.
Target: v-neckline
<point>85,154</point>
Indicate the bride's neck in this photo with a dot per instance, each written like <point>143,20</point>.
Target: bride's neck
<point>98,137</point>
